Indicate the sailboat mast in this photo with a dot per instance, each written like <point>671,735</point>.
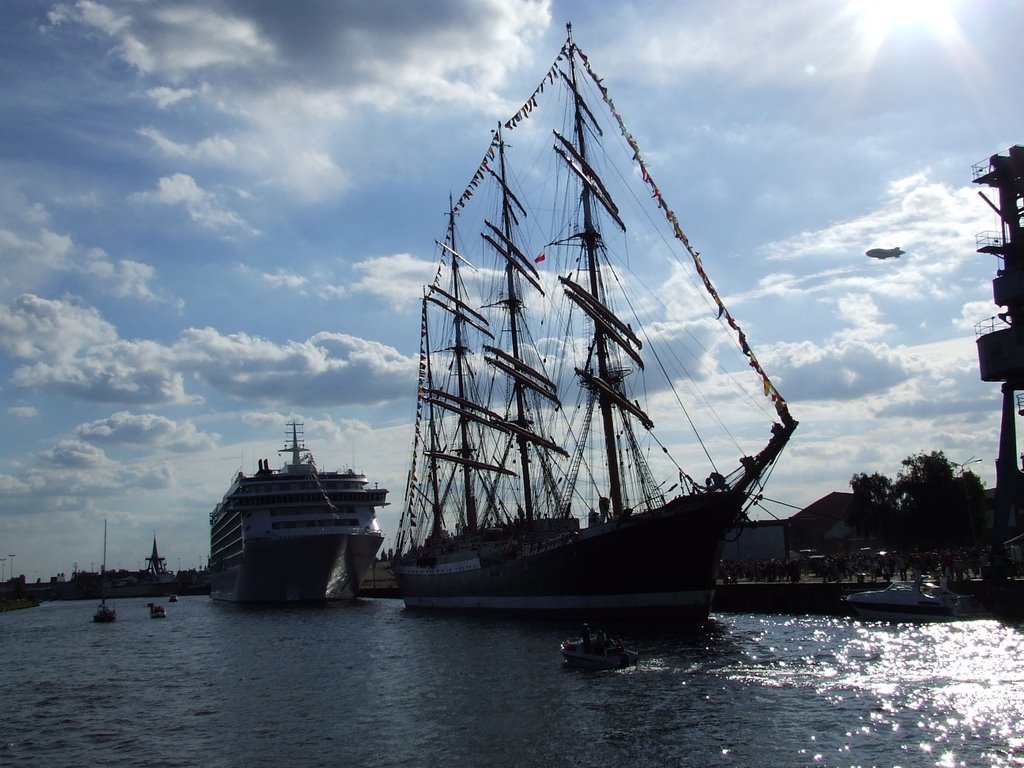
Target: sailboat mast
<point>515,305</point>
<point>591,237</point>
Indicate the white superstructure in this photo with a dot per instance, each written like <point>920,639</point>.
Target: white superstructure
<point>295,533</point>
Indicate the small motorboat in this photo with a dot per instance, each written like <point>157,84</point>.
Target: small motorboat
<point>918,601</point>
<point>104,614</point>
<point>156,611</point>
<point>597,652</point>
<point>173,598</point>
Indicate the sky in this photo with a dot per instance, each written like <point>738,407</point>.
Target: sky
<point>217,216</point>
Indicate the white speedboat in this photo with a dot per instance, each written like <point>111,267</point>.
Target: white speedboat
<point>917,601</point>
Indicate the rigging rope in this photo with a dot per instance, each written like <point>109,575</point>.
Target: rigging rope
<point>769,388</point>
<point>569,49</point>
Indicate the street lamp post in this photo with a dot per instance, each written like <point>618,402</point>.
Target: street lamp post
<point>3,569</point>
<point>967,497</point>
<point>10,555</point>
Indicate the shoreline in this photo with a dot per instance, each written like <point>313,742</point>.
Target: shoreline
<point>17,603</point>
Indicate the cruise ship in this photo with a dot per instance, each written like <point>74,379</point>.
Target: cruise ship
<point>294,534</point>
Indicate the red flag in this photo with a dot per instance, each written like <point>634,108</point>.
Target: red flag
<point>540,258</point>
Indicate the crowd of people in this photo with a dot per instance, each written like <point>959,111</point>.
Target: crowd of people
<point>952,565</point>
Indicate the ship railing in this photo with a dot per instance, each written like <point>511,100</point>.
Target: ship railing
<point>544,543</point>
<point>981,168</point>
<point>989,325</point>
<point>985,167</point>
<point>989,239</point>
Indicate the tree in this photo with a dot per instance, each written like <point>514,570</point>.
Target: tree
<point>939,505</point>
<point>874,508</point>
<point>974,498</point>
<point>933,503</point>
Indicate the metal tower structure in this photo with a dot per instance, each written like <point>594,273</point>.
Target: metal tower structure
<point>1001,338</point>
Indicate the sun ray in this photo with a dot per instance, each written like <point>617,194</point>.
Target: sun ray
<point>881,18</point>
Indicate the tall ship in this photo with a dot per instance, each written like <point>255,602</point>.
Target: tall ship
<point>295,533</point>
<point>551,342</point>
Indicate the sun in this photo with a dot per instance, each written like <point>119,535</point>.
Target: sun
<point>881,18</point>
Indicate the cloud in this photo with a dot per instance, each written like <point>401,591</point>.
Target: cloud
<point>32,263</point>
<point>973,314</point>
<point>11,485</point>
<point>123,279</point>
<point>296,88</point>
<point>23,411</point>
<point>166,97</point>
<point>861,317</point>
<point>74,351</point>
<point>920,216</point>
<point>213,149</point>
<point>30,259</point>
<point>32,327</point>
<point>353,43</point>
<point>721,42</point>
<point>849,370</point>
<point>279,278</point>
<point>398,279</point>
<point>131,372</point>
<point>34,255</point>
<point>282,279</point>
<point>313,173</point>
<point>203,207</point>
<point>87,472</point>
<point>169,39</point>
<point>78,353</point>
<point>147,429</point>
<point>328,369</point>
<point>75,454</point>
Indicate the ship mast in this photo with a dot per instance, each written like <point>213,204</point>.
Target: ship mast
<point>430,454</point>
<point>515,305</point>
<point>465,449</point>
<point>591,238</point>
<point>296,447</point>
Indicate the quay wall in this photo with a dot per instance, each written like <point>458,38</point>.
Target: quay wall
<point>1004,598</point>
<point>825,598</point>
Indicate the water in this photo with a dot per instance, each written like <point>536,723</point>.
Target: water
<point>372,684</point>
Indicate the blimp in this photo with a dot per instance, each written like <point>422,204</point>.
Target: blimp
<point>885,253</point>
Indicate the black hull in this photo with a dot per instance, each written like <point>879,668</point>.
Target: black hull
<point>655,566</point>
<point>306,569</point>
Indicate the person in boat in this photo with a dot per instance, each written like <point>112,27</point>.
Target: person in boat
<point>585,638</point>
